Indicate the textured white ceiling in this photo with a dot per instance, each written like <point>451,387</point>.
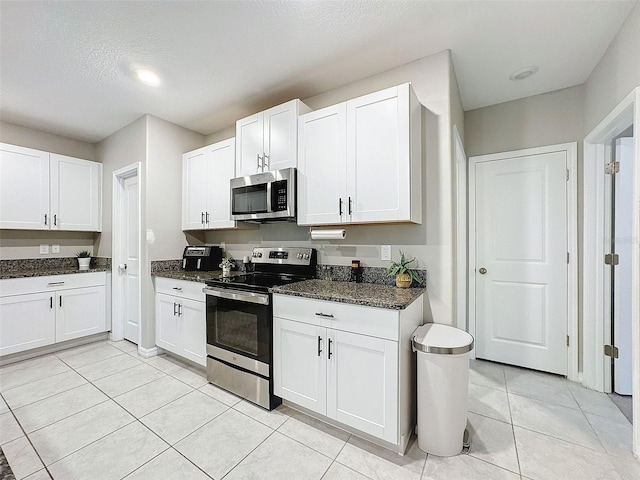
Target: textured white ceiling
<point>66,67</point>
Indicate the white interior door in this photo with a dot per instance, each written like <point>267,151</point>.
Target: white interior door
<point>520,267</point>
<point>130,249</point>
<point>622,293</point>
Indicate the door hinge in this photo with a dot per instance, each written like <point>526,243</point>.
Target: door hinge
<point>567,340</point>
<point>611,351</point>
<point>611,259</point>
<point>611,168</point>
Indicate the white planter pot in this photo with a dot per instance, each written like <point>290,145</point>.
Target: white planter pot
<point>83,263</point>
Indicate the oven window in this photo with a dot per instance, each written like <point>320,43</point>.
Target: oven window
<point>238,330</point>
<point>252,199</point>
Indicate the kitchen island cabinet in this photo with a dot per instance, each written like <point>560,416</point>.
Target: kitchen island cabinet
<point>351,365</point>
<point>40,311</point>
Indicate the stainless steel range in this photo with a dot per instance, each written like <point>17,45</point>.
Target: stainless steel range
<point>240,322</point>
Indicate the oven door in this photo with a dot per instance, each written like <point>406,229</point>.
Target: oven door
<point>239,328</point>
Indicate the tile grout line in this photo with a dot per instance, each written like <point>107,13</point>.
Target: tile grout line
<point>513,431</point>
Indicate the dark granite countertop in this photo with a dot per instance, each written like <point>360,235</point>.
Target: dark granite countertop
<point>192,276</point>
<point>44,272</point>
<point>367,294</point>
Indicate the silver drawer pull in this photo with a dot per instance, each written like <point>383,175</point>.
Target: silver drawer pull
<point>54,284</point>
<point>326,315</point>
<point>178,288</point>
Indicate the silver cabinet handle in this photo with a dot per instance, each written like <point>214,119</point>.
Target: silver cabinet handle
<point>326,315</point>
<point>340,206</point>
<point>319,345</point>
<point>349,205</point>
<point>60,297</point>
<point>55,220</point>
<point>266,157</point>
<point>54,284</point>
<point>179,309</point>
<point>482,271</point>
<point>259,166</point>
<point>45,218</point>
<point>202,218</point>
<point>174,308</point>
<point>50,303</point>
<point>206,217</point>
<point>330,342</point>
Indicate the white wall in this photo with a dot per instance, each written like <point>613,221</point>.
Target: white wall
<point>617,73</point>
<point>166,144</point>
<point>126,146</point>
<point>430,242</point>
<point>16,244</point>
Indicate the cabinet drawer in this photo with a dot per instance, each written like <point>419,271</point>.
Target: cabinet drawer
<point>375,322</point>
<point>20,286</point>
<point>180,288</point>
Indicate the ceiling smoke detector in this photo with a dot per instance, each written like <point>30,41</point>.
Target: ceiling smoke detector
<point>148,77</point>
<point>523,73</point>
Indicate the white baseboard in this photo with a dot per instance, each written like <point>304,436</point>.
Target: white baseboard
<point>147,352</point>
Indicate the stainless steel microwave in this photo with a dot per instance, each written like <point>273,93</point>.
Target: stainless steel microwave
<point>265,196</point>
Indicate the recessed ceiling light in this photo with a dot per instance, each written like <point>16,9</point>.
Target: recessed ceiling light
<point>523,73</point>
<point>148,77</point>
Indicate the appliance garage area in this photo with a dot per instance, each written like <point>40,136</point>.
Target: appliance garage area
<point>319,240</point>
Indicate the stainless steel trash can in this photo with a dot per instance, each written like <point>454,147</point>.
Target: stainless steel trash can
<point>443,387</point>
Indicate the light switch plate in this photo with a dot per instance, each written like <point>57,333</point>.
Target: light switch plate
<point>44,249</point>
<point>385,252</point>
<point>55,248</point>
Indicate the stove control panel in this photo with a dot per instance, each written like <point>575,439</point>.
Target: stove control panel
<point>283,255</point>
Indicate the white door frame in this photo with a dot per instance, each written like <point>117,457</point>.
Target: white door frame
<point>461,267</point>
<point>596,323</point>
<point>572,241</point>
<point>117,296</point>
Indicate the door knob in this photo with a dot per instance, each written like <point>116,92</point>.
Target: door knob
<point>122,267</point>
<point>482,271</point>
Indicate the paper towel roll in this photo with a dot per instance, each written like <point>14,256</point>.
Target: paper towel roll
<point>333,234</point>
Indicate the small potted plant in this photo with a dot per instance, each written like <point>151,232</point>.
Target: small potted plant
<point>403,272</point>
<point>226,266</point>
<point>84,259</point>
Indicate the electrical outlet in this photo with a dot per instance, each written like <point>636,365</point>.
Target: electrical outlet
<point>44,249</point>
<point>55,248</point>
<point>385,252</point>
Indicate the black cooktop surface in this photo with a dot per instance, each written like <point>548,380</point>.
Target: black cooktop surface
<point>256,281</point>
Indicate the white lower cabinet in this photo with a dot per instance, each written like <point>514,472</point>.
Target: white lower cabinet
<point>180,319</point>
<point>40,311</point>
<point>351,364</point>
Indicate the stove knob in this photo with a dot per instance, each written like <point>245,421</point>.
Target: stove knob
<point>306,256</point>
<point>299,256</point>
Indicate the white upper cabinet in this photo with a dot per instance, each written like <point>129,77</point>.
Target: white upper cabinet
<point>381,160</point>
<point>206,199</point>
<point>268,140</point>
<point>75,194</point>
<point>322,166</point>
<point>24,188</point>
<point>43,191</point>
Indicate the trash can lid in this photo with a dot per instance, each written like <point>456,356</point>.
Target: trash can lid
<point>441,339</point>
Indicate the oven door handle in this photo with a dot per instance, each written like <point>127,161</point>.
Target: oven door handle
<point>240,296</point>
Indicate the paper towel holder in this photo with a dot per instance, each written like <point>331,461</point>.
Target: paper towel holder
<point>328,234</point>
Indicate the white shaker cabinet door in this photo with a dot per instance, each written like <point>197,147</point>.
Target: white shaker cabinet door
<point>362,383</point>
<point>299,367</point>
<point>280,136</point>
<point>221,162</point>
<point>322,166</point>
<point>80,312</point>
<point>378,150</point>
<point>195,172</point>
<point>24,188</point>
<point>27,321</point>
<point>76,197</point>
<point>167,326</point>
<point>249,151</point>
<point>193,334</point>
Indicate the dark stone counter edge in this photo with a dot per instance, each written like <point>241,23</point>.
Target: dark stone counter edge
<point>355,301</point>
<point>48,273</point>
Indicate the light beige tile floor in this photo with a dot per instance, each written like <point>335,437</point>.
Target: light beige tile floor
<point>102,412</point>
